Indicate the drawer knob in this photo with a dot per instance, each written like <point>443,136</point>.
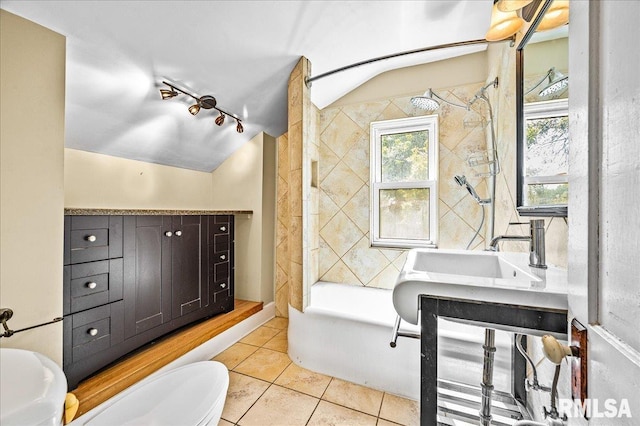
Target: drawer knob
<point>168,233</point>
<point>223,257</point>
<point>91,238</point>
<point>223,228</point>
<point>223,285</point>
<point>178,233</point>
<point>92,285</point>
<point>92,331</point>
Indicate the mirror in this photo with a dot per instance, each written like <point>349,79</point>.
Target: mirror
<point>542,120</point>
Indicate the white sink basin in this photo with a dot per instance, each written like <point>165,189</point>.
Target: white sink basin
<point>496,277</point>
<point>32,389</point>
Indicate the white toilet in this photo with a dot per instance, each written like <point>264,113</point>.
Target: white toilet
<point>33,390</point>
<point>191,395</point>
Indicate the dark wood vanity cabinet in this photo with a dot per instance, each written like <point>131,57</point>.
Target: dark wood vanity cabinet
<point>131,279</point>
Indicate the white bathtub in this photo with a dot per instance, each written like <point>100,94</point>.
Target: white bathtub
<point>346,330</point>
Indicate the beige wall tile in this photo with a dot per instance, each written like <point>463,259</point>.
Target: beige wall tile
<point>295,99</point>
<point>340,273</point>
<point>326,257</point>
<point>364,114</point>
<point>277,322</point>
<point>353,396</point>
<point>385,279</point>
<point>341,134</point>
<point>358,208</point>
<point>341,233</point>
<point>282,301</point>
<point>295,146</point>
<point>358,157</point>
<point>391,112</point>
<point>365,262</point>
<point>327,209</point>
<point>326,117</point>
<point>341,184</point>
<point>328,161</point>
<point>295,240</point>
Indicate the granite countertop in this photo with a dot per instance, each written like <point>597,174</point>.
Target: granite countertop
<point>149,212</point>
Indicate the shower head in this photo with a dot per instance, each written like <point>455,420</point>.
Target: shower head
<point>557,83</point>
<point>462,181</point>
<point>426,101</point>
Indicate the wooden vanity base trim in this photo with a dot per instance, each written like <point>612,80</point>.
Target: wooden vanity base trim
<point>113,380</point>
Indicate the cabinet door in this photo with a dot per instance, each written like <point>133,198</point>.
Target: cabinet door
<point>147,293</point>
<point>189,287</point>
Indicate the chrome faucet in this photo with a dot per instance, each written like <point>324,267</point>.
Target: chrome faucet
<point>536,243</point>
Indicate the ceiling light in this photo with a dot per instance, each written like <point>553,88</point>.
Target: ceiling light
<point>194,109</point>
<point>202,102</point>
<point>168,94</point>
<point>557,15</point>
<point>503,24</point>
<point>512,5</point>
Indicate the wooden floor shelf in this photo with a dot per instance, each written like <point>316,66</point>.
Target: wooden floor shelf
<point>135,367</point>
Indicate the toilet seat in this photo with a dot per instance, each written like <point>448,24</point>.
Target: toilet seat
<point>190,395</point>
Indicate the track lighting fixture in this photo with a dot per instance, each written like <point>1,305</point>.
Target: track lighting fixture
<point>202,102</point>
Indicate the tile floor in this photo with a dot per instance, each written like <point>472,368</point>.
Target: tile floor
<point>266,388</point>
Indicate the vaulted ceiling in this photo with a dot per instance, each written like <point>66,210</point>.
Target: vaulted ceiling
<point>241,52</point>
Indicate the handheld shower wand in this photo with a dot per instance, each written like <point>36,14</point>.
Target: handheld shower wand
<point>462,181</point>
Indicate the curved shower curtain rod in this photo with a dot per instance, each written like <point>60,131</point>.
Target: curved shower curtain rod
<point>309,80</point>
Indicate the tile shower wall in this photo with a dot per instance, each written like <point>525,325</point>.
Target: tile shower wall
<point>345,255</point>
<point>502,58</point>
<point>297,244</point>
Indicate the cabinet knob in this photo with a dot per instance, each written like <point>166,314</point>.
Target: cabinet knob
<point>92,285</point>
<point>91,238</point>
<point>168,233</point>
<point>223,257</point>
<point>223,228</point>
<point>178,233</point>
<point>223,285</point>
<point>92,331</point>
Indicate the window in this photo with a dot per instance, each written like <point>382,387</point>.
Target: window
<point>546,154</point>
<point>404,182</point>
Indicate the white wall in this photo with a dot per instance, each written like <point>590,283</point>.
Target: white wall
<point>32,75</point>
<point>100,181</point>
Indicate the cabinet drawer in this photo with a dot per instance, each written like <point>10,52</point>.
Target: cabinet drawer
<point>93,331</point>
<point>89,238</point>
<point>92,284</point>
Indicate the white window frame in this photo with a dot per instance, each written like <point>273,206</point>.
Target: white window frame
<point>534,111</point>
<point>403,125</point>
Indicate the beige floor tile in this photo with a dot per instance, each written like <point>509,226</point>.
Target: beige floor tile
<point>278,322</point>
<point>400,410</point>
<point>223,422</point>
<point>303,380</point>
<point>335,415</point>
<point>354,396</point>
<point>259,336</point>
<point>383,422</point>
<point>264,364</point>
<point>279,342</point>
<point>243,392</point>
<point>280,406</point>
<point>235,354</point>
